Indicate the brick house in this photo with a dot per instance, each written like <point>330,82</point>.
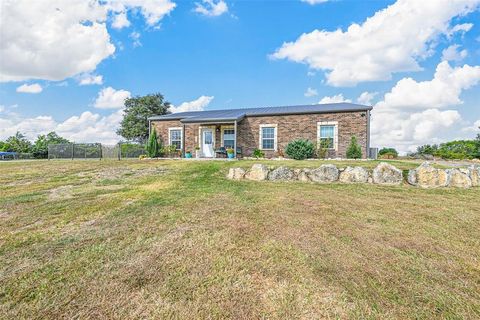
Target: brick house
<point>269,129</point>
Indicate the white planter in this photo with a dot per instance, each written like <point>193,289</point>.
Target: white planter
<point>197,154</point>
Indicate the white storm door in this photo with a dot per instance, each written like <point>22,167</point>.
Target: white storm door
<point>207,143</point>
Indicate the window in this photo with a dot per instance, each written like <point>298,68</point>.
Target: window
<point>175,137</point>
<point>327,134</point>
<point>268,137</point>
<point>228,138</point>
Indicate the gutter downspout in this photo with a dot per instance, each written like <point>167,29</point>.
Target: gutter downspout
<point>183,141</point>
<point>368,135</point>
<point>235,141</point>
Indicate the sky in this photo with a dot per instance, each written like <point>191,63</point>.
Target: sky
<point>67,66</point>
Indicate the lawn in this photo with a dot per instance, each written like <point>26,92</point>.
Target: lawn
<point>176,240</point>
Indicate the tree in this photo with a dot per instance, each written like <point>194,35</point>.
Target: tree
<point>477,144</point>
<point>40,147</point>
<point>134,126</point>
<point>354,150</point>
<point>152,146</point>
<point>388,152</point>
<point>18,143</point>
<point>3,146</point>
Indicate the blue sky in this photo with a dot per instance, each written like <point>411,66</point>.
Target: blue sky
<point>231,54</point>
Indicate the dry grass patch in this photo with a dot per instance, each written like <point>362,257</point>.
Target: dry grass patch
<point>176,240</point>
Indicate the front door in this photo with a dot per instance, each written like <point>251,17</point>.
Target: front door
<point>207,143</point>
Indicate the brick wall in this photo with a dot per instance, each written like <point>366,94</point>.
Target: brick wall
<point>289,127</point>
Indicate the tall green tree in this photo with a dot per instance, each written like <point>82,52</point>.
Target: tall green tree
<point>40,146</point>
<point>153,146</point>
<point>354,151</point>
<point>18,143</point>
<point>134,126</point>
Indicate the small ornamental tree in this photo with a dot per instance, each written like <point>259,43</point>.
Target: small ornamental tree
<point>354,150</point>
<point>152,146</point>
<point>300,149</point>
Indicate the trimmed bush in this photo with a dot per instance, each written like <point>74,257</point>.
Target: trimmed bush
<point>257,153</point>
<point>300,149</point>
<point>354,150</point>
<point>388,153</point>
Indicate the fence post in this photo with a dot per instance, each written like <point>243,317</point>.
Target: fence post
<point>101,151</point>
<point>73,149</point>
<point>119,152</point>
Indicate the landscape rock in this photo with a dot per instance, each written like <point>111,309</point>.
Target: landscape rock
<point>475,175</point>
<point>458,179</point>
<point>236,173</point>
<point>354,175</point>
<point>258,172</point>
<point>303,175</point>
<point>387,174</point>
<point>427,176</point>
<point>281,174</point>
<point>412,177</point>
<point>325,173</point>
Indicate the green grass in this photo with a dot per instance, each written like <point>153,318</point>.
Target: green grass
<point>176,240</point>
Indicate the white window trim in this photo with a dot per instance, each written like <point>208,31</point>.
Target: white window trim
<point>335,132</point>
<point>260,144</point>
<point>170,136</point>
<point>221,133</point>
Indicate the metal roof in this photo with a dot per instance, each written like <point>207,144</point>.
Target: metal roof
<point>238,114</point>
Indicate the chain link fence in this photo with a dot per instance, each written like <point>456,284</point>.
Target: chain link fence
<point>95,151</point>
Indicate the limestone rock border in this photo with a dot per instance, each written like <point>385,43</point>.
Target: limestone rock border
<point>424,176</point>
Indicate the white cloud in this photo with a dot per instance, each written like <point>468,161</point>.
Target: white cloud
<point>89,79</point>
<point>109,98</point>
<point>453,54</point>
<point>195,105</point>
<point>310,92</point>
<point>211,8</point>
<point>334,99</point>
<point>57,39</point>
<point>30,88</point>
<point>392,40</point>
<point>366,97</point>
<point>464,27</point>
<point>411,113</point>
<point>475,127</point>
<point>61,39</point>
<point>152,10</point>
<point>135,36</point>
<point>442,91</point>
<point>120,21</point>
<point>313,2</point>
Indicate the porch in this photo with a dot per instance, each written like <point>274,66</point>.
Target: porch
<point>210,140</point>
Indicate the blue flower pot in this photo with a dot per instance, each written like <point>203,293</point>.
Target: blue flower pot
<point>188,155</point>
<point>230,155</point>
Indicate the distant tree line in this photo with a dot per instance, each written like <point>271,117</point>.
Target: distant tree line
<point>457,149</point>
<point>39,148</point>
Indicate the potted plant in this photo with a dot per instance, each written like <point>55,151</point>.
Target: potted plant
<point>230,153</point>
<point>188,154</point>
<point>197,152</point>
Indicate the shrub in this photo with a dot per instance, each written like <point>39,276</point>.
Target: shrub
<point>300,149</point>
<point>388,153</point>
<point>323,146</point>
<point>230,150</point>
<point>354,150</point>
<point>257,153</point>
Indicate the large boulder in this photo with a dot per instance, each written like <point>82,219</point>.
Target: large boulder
<point>281,174</point>
<point>387,174</point>
<point>325,173</point>
<point>426,176</point>
<point>354,175</point>
<point>258,172</point>
<point>236,173</point>
<point>458,178</point>
<point>475,175</point>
